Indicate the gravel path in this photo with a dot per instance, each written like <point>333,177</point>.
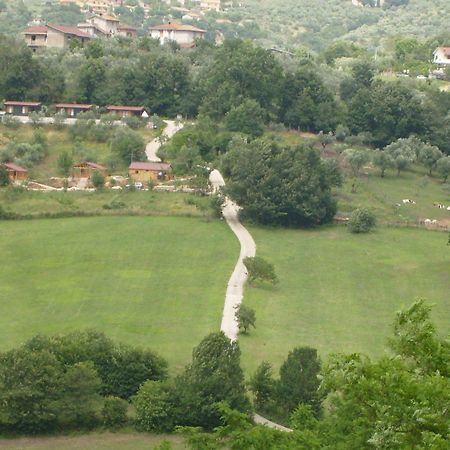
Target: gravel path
<point>260,420</point>
<point>235,288</point>
<point>152,147</point>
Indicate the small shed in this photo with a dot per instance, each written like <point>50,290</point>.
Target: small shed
<point>85,169</point>
<point>15,172</point>
<point>72,109</point>
<point>124,111</point>
<point>146,171</point>
<point>21,108</point>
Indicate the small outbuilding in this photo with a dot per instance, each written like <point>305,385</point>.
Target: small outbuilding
<point>150,171</point>
<point>15,172</point>
<point>126,111</point>
<point>86,169</point>
<point>21,108</point>
<point>72,109</point>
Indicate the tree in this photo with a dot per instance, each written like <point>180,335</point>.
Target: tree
<point>429,155</point>
<point>361,220</point>
<point>279,185</point>
<point>383,160</point>
<point>260,269</point>
<point>65,163</point>
<point>262,385</point>
<point>403,153</point>
<point>128,145</point>
<point>326,139</point>
<point>246,318</point>
<point>98,180</point>
<point>247,118</point>
<point>4,176</point>
<point>114,412</point>
<point>299,382</point>
<point>442,167</point>
<point>213,376</point>
<point>356,159</point>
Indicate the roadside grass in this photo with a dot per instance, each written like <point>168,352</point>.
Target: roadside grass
<point>96,203</point>
<point>339,292</point>
<point>94,441</point>
<point>155,282</point>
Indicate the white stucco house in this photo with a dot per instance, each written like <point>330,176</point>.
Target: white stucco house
<point>441,56</point>
<point>183,35</point>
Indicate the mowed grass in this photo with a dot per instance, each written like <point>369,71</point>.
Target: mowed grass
<point>155,282</point>
<point>339,292</point>
<point>95,441</point>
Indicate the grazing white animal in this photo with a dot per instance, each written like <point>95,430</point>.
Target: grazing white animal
<point>427,221</point>
<point>407,200</point>
<point>434,221</point>
<point>448,208</point>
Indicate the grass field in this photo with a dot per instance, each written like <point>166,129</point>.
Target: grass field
<point>339,292</point>
<point>94,441</point>
<point>157,282</point>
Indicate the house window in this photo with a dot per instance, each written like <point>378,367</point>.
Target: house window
<point>33,37</point>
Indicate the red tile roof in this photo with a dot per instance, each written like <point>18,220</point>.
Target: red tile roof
<point>36,29</point>
<point>150,166</point>
<point>14,167</point>
<point>91,165</point>
<point>14,103</point>
<point>125,108</point>
<point>126,27</point>
<point>69,30</point>
<point>73,105</point>
<point>177,27</point>
<point>445,50</point>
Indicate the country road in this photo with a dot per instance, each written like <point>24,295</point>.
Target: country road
<point>152,147</point>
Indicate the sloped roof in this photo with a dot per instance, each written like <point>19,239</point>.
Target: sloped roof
<point>150,166</point>
<point>36,29</point>
<point>69,30</point>
<point>14,103</point>
<point>14,167</point>
<point>177,27</point>
<point>125,108</point>
<point>91,165</point>
<point>73,105</point>
<point>444,50</point>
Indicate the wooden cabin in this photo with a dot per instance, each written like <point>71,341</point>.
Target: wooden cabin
<point>15,172</point>
<point>86,169</point>
<point>21,108</point>
<point>72,109</point>
<point>146,171</point>
<point>125,111</point>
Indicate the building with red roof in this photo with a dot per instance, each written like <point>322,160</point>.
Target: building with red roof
<point>86,169</point>
<point>15,172</point>
<point>184,35</point>
<point>125,111</point>
<point>149,171</point>
<point>72,109</point>
<point>53,36</point>
<point>21,108</point>
<point>441,56</point>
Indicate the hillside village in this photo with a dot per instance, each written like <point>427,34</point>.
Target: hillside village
<point>224,224</point>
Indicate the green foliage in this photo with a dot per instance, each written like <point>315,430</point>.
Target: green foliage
<point>65,163</point>
<point>128,145</point>
<point>403,152</point>
<point>361,220</point>
<point>383,160</point>
<point>213,376</point>
<point>4,177</point>
<point>260,269</point>
<point>443,167</point>
<point>153,407</point>
<point>114,412</point>
<point>262,385</point>
<point>246,318</point>
<point>247,118</point>
<point>98,180</point>
<point>277,185</point>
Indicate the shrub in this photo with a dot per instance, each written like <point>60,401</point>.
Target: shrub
<point>361,220</point>
<point>260,269</point>
<point>114,412</point>
<point>98,180</point>
<point>4,177</point>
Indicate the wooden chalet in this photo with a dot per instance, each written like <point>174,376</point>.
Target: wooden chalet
<point>72,109</point>
<point>86,169</point>
<point>15,172</point>
<point>146,171</point>
<point>124,111</point>
<point>21,108</point>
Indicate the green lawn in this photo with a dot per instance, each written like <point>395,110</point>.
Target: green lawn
<point>157,282</point>
<point>339,292</point>
<point>94,441</point>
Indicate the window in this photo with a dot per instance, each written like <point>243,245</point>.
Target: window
<point>33,37</point>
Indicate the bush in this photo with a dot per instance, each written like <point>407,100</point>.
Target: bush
<point>260,269</point>
<point>98,180</point>
<point>361,221</point>
<point>114,412</point>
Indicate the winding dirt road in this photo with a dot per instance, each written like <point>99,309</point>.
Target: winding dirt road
<point>235,288</point>
<point>152,147</point>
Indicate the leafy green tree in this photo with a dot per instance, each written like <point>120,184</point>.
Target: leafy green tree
<point>403,153</point>
<point>299,381</point>
<point>279,185</point>
<point>429,156</point>
<point>356,159</point>
<point>213,376</point>
<point>4,176</point>
<point>260,269</point>
<point>114,412</point>
<point>383,160</point>
<point>361,220</point>
<point>262,385</point>
<point>442,167</point>
<point>98,180</point>
<point>128,145</point>
<point>247,118</point>
<point>246,318</point>
<point>65,163</point>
